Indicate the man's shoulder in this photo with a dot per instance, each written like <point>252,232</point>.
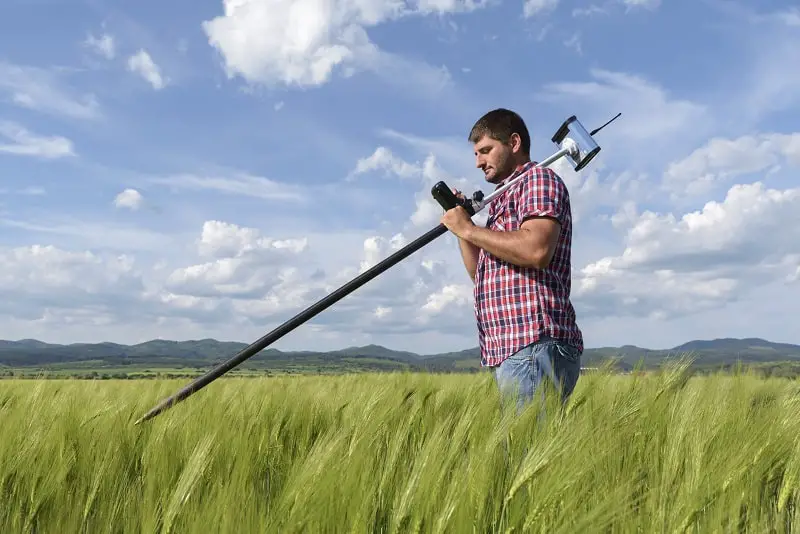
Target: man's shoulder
<point>542,173</point>
<point>536,178</point>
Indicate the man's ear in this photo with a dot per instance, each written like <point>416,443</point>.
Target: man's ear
<point>516,142</point>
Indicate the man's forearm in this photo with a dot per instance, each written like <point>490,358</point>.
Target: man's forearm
<point>515,247</point>
<point>469,253</point>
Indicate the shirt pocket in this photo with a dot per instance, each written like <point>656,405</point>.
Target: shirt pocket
<point>505,218</point>
<point>510,219</point>
<point>495,222</point>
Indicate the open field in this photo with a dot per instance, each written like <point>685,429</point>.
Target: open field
<point>401,452</point>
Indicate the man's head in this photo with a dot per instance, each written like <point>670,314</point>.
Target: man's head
<point>502,143</point>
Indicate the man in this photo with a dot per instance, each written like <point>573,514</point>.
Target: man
<point>520,264</point>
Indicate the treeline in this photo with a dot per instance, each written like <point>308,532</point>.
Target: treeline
<point>788,370</point>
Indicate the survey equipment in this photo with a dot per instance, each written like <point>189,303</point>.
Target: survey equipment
<point>573,141</point>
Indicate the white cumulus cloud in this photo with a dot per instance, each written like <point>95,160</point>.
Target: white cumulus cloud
<point>142,64</point>
<point>303,42</point>
<point>723,159</point>
<point>220,239</point>
<point>129,198</point>
<point>37,278</point>
<point>534,7</point>
<point>683,265</point>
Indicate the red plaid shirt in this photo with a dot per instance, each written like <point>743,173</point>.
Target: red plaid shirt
<point>516,306</point>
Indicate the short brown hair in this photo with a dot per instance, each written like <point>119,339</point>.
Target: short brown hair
<point>499,124</point>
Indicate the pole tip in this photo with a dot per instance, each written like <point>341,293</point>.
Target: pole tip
<point>149,415</point>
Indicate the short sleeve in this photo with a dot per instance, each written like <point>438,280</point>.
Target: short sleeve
<point>541,194</point>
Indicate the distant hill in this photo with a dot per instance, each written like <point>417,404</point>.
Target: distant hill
<point>204,353</point>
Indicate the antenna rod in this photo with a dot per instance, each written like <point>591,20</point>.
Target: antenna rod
<point>603,126</point>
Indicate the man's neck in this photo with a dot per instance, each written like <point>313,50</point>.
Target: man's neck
<point>519,168</point>
<point>522,165</point>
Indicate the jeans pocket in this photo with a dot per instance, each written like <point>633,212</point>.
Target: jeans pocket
<point>568,352</point>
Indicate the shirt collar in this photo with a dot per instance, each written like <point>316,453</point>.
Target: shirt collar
<point>519,170</point>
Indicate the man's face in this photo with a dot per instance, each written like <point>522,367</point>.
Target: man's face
<point>494,158</point>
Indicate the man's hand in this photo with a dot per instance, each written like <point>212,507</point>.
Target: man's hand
<point>458,221</point>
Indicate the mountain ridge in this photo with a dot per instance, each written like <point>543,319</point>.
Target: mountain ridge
<point>727,343</point>
<point>210,351</point>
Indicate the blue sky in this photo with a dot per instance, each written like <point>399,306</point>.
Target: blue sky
<point>194,170</point>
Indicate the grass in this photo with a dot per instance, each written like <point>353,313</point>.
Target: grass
<point>662,452</point>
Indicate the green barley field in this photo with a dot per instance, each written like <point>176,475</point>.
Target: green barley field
<point>372,453</point>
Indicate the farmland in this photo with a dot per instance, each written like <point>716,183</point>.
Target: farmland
<point>660,451</point>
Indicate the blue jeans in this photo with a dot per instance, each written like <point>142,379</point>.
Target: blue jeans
<point>524,372</point>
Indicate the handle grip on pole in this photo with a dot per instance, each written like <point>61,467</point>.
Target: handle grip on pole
<point>448,200</point>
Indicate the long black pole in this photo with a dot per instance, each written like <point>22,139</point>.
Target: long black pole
<point>297,320</point>
<point>443,195</point>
